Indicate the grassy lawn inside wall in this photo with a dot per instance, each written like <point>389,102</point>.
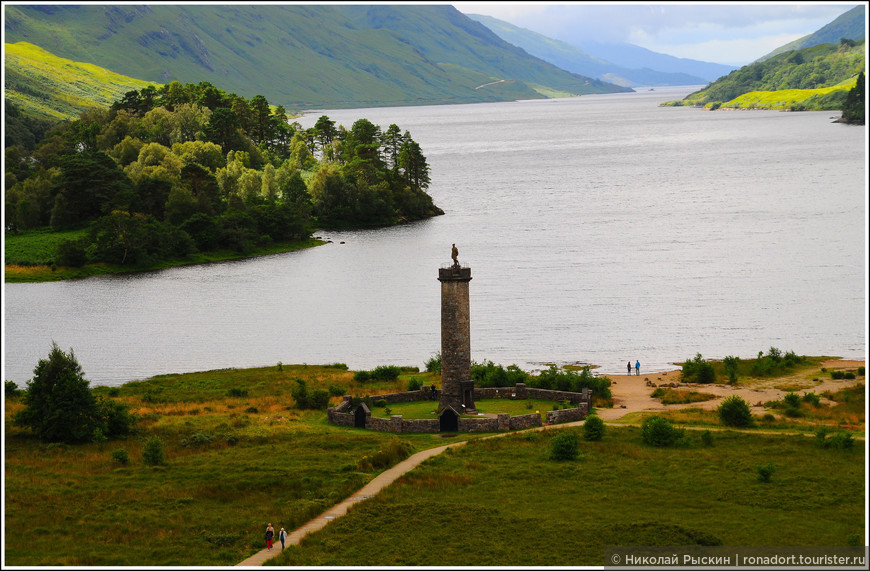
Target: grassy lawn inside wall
<point>503,502</point>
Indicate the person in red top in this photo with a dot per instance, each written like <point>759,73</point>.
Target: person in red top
<point>270,533</point>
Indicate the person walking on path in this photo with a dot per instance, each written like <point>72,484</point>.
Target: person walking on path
<point>282,535</point>
<point>270,533</point>
<point>636,368</point>
<point>629,367</point>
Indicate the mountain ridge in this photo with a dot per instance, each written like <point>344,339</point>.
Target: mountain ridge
<point>302,56</point>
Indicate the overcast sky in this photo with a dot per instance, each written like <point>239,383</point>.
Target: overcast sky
<point>732,33</point>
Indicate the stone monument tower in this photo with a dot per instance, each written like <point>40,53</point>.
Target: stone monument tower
<point>457,388</point>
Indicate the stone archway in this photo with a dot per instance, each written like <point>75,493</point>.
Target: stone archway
<point>448,420</point>
<point>360,415</point>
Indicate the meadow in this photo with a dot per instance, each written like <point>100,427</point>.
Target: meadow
<point>503,502</point>
<point>239,455</point>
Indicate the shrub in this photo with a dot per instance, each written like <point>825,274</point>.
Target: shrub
<point>72,253</point>
<point>764,472</point>
<point>837,374</point>
<point>707,438</point>
<point>840,441</point>
<point>735,412</point>
<point>731,364</point>
<point>236,392</point>
<point>658,431</point>
<point>252,410</point>
<point>414,384</point>
<point>849,375</point>
<point>768,417</point>
<point>861,371</point>
<point>116,418</point>
<point>152,453</point>
<point>433,365</point>
<point>593,428</point>
<point>120,456</point>
<point>280,366</point>
<point>336,391</point>
<point>11,390</point>
<point>381,403</point>
<point>812,398</point>
<point>792,399</point>
<point>698,370</point>
<point>385,373</point>
<point>362,376</point>
<point>197,439</point>
<point>565,446</point>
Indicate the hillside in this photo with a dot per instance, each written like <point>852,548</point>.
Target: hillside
<point>302,56</point>
<point>48,87</point>
<point>575,60</point>
<point>826,71</point>
<point>850,25</point>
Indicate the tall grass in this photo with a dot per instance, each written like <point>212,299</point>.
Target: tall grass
<point>502,502</point>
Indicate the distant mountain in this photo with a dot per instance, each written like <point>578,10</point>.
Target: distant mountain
<point>573,59</point>
<point>302,56</point>
<point>630,55</point>
<point>850,25</point>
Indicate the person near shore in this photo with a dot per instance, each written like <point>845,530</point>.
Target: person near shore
<point>282,535</point>
<point>636,368</point>
<point>629,367</point>
<point>270,533</point>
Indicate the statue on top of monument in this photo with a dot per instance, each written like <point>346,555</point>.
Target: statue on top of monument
<point>455,255</point>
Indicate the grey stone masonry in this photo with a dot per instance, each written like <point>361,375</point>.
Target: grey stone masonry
<point>455,339</point>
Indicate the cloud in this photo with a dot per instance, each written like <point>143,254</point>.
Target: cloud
<point>720,31</point>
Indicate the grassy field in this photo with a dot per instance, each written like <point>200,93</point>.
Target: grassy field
<point>240,455</point>
<point>28,257</point>
<point>503,502</point>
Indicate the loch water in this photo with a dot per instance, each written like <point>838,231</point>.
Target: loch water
<point>599,230</point>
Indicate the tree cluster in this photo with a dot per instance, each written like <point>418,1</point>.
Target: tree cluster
<point>854,108</point>
<point>181,168</point>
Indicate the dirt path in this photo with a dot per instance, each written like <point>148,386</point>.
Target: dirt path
<point>630,394</point>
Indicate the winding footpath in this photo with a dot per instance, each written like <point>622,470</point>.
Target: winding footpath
<point>632,392</point>
<point>380,482</point>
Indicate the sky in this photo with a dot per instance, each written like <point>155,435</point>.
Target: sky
<point>731,33</point>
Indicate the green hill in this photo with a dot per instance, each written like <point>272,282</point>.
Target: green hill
<point>813,78</point>
<point>302,56</point>
<point>48,87</point>
<point>850,25</point>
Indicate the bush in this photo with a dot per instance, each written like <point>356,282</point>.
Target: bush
<point>731,364</point>
<point>593,428</point>
<point>72,253</point>
<point>152,454</point>
<point>658,431</point>
<point>764,472</point>
<point>11,390</point>
<point>117,420</point>
<point>236,392</point>
<point>792,399</point>
<point>120,456</point>
<point>839,441</point>
<point>252,410</point>
<point>565,446</point>
<point>385,373</point>
<point>433,365</point>
<point>414,384</point>
<point>362,376</point>
<point>812,399</point>
<point>698,370</point>
<point>314,400</point>
<point>336,391</point>
<point>735,412</point>
<point>707,438</point>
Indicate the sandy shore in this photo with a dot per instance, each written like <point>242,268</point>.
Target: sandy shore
<point>631,393</point>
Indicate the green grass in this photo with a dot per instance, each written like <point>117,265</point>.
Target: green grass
<point>426,409</point>
<point>502,502</point>
<point>671,396</point>
<point>236,463</point>
<point>35,249</point>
